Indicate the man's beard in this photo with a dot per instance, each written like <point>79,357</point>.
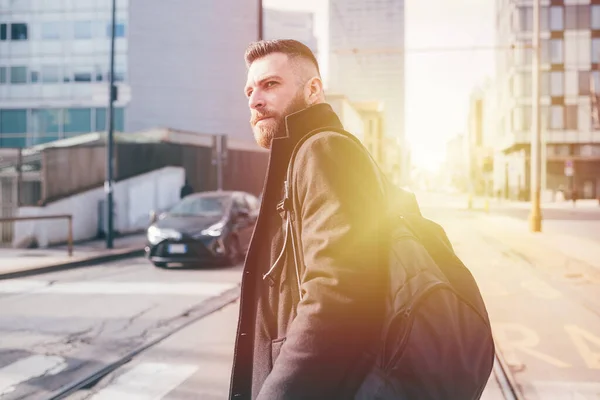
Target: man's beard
<point>275,125</point>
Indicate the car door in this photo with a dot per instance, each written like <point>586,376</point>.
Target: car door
<point>242,225</point>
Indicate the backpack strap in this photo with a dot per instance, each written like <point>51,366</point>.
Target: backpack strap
<point>286,205</point>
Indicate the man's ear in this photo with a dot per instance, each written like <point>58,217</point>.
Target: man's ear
<point>315,90</point>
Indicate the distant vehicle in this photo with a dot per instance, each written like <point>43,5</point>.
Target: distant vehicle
<point>207,227</point>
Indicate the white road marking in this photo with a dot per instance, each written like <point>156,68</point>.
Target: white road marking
<point>115,288</point>
<point>147,381</point>
<point>29,368</point>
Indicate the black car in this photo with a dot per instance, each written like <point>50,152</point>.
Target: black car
<point>207,227</point>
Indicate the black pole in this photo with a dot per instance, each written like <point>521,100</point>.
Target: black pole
<point>260,20</point>
<point>108,185</point>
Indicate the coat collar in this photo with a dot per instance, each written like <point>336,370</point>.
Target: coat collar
<point>300,123</point>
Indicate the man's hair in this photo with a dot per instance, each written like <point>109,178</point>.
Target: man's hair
<point>292,48</point>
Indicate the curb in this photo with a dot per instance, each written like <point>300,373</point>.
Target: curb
<point>86,262</point>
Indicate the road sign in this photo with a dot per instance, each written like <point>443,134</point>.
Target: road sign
<point>569,169</point>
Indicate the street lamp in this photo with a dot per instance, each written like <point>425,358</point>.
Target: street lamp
<point>535,218</point>
<point>109,184</point>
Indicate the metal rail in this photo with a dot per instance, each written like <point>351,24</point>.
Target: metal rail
<point>68,217</point>
<point>506,381</point>
<point>206,308</point>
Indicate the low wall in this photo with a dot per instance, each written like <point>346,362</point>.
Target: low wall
<point>134,198</point>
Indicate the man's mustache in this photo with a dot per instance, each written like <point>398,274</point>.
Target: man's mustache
<point>257,117</point>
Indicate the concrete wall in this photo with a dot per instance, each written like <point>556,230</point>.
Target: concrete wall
<point>134,199</point>
<point>186,65</point>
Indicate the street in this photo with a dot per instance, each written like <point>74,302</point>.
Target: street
<point>58,328</point>
<point>543,301</point>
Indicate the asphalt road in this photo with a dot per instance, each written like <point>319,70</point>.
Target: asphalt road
<point>56,328</point>
<point>61,326</point>
<point>546,320</point>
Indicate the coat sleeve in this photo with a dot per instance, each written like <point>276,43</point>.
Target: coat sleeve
<point>340,205</point>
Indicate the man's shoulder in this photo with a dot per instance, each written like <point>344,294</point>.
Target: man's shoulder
<point>329,142</point>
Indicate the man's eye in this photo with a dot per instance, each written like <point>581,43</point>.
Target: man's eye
<point>271,84</point>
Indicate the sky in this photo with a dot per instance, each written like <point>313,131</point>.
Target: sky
<point>438,83</point>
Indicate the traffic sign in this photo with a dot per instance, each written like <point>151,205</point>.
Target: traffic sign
<point>569,169</point>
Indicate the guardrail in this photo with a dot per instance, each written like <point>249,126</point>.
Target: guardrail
<point>68,217</point>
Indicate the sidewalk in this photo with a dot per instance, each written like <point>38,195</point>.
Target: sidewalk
<point>23,262</point>
<point>548,246</point>
<point>478,203</point>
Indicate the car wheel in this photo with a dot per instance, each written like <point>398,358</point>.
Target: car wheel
<point>234,252</point>
<point>160,264</point>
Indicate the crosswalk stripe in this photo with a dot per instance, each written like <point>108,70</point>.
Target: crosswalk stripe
<point>29,368</point>
<point>15,286</point>
<point>146,381</point>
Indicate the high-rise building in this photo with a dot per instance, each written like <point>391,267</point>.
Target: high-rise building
<point>284,24</point>
<point>178,64</point>
<point>366,60</point>
<point>570,56</point>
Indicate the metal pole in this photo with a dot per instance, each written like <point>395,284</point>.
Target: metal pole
<point>260,20</point>
<point>108,185</point>
<point>20,178</point>
<point>219,163</point>
<point>535,218</point>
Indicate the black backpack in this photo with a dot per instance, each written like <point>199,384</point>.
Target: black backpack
<point>437,341</point>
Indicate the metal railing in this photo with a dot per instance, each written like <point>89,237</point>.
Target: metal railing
<point>68,217</point>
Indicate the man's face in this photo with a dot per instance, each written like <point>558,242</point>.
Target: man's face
<point>274,91</point>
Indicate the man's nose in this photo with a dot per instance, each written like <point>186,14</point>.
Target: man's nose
<point>256,101</point>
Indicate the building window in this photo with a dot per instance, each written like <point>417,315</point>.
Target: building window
<point>50,74</point>
<point>523,55</point>
<point>521,118</point>
<point>522,84</point>
<point>119,121</point>
<point>18,75</point>
<point>557,87</point>
<point>45,125</point>
<point>595,16</point>
<point>2,75</point>
<point>556,51</point>
<point>81,75</point>
<point>525,19</point>
<point>119,29</point>
<point>571,117</point>
<point>584,83</point>
<point>545,83</point>
<point>34,76</point>
<point>595,76</point>
<point>556,117</point>
<point>13,127</point>
<point>556,18</point>
<point>78,120</point>
<point>595,50</point>
<point>51,30</point>
<point>18,31</point>
<point>3,32</point>
<point>577,17</point>
<point>99,75</point>
<point>82,30</point>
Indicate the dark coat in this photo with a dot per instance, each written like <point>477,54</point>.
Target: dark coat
<point>314,349</point>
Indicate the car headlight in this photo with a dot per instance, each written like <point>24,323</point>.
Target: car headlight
<point>156,235</point>
<point>214,230</point>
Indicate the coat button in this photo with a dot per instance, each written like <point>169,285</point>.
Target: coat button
<point>237,395</point>
<point>243,334</point>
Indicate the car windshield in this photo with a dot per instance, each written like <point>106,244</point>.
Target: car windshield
<point>205,206</point>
